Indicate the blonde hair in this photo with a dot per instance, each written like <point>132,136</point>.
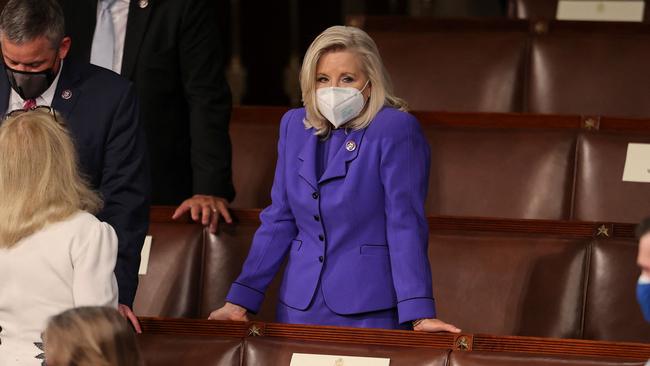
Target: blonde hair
<point>338,38</point>
<point>39,180</point>
<point>90,336</point>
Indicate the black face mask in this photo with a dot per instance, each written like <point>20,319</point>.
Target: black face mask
<point>30,84</point>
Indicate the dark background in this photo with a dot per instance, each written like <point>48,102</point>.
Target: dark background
<point>264,41</point>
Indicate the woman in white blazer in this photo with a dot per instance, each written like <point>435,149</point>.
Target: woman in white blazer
<point>54,254</point>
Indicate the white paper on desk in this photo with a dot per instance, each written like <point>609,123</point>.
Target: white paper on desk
<point>637,163</point>
<point>144,255</point>
<point>605,10</point>
<point>306,359</point>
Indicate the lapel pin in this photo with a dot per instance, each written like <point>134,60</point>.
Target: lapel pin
<point>66,94</point>
<point>350,145</point>
<point>143,3</point>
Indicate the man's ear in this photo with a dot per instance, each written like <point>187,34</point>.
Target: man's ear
<point>64,47</point>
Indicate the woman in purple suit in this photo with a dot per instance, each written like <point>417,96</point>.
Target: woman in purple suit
<point>348,202</point>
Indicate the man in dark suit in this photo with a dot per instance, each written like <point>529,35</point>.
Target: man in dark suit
<point>170,50</point>
<point>100,111</point>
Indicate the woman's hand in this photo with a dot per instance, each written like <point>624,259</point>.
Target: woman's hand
<point>435,325</point>
<point>229,312</point>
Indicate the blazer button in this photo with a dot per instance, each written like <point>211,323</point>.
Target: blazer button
<point>321,259</point>
<point>317,218</point>
<point>315,195</point>
<point>321,237</point>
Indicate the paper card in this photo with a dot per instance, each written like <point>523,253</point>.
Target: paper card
<point>306,359</point>
<point>605,10</point>
<point>144,255</point>
<point>637,163</point>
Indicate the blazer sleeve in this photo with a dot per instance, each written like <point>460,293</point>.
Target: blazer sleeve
<point>208,98</point>
<point>405,161</point>
<point>93,259</point>
<point>125,189</point>
<point>271,241</point>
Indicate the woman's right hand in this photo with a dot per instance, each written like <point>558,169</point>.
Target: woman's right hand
<point>229,312</point>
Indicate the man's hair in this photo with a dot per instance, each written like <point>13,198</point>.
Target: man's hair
<point>643,228</point>
<point>25,20</point>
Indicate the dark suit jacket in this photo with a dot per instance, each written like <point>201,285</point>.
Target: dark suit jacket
<point>101,114</point>
<point>172,54</point>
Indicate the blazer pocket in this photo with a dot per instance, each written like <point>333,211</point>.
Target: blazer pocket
<point>296,245</point>
<point>371,249</point>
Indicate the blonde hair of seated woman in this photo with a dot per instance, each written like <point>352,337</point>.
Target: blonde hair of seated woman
<point>90,336</point>
<point>39,179</point>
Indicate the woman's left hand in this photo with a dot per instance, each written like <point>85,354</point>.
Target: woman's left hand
<point>435,325</point>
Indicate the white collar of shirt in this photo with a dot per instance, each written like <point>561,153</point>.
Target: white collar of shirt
<point>16,102</point>
<point>120,15</point>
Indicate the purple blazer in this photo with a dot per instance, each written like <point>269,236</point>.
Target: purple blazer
<point>360,229</point>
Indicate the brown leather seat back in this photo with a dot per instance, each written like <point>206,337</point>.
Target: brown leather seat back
<point>273,352</point>
<point>224,256</point>
<point>590,73</point>
<point>470,70</point>
<point>532,9</point>
<point>500,172</point>
<point>478,358</point>
<point>611,309</point>
<point>172,283</point>
<point>509,284</point>
<point>254,154</point>
<point>175,350</point>
<point>600,193</point>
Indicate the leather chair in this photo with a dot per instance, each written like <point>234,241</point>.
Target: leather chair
<point>178,349</point>
<point>611,310</point>
<point>590,73</point>
<point>532,9</point>
<point>254,153</point>
<point>507,284</point>
<point>171,287</point>
<point>500,172</point>
<point>457,70</point>
<point>272,352</point>
<point>600,193</point>
<point>515,359</point>
<point>223,259</point>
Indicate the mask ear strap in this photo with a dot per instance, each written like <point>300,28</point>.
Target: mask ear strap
<point>364,86</point>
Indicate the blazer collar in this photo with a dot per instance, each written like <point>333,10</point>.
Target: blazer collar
<point>136,27</point>
<point>336,168</point>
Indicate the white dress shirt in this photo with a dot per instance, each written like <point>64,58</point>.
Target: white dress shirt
<point>64,265</point>
<point>16,102</point>
<point>120,14</point>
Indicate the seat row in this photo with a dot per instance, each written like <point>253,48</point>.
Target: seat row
<point>508,65</point>
<point>488,165</point>
<point>538,278</point>
<point>201,342</point>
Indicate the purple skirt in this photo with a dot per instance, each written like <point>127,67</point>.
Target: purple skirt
<point>318,313</point>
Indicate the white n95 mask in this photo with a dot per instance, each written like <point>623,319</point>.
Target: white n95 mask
<point>340,105</point>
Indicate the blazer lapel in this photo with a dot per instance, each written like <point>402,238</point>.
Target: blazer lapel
<point>136,27</point>
<point>66,94</point>
<point>307,156</point>
<point>5,92</point>
<point>338,167</point>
